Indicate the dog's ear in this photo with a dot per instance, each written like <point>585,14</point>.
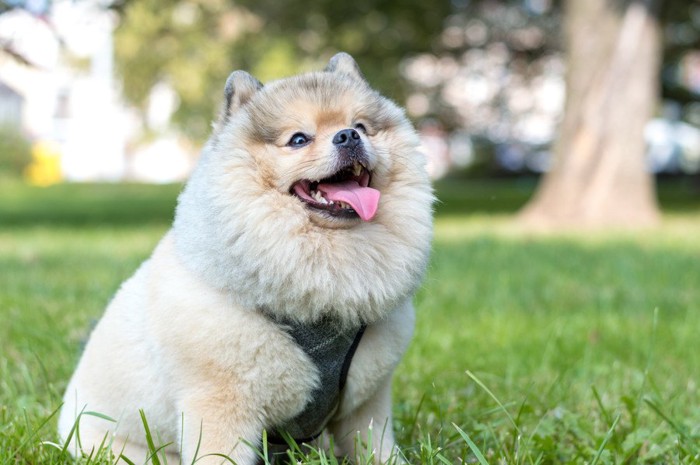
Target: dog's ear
<point>344,63</point>
<point>240,87</point>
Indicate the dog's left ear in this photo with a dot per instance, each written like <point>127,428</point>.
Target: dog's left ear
<point>344,63</point>
<point>240,87</point>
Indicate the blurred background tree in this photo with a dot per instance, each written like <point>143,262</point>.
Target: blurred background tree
<point>599,174</point>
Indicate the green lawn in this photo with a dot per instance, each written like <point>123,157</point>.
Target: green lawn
<point>560,349</point>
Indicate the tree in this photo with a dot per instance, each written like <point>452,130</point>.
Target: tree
<point>599,177</point>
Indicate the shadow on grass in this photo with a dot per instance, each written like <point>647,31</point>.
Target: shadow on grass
<point>87,204</point>
<point>508,195</point>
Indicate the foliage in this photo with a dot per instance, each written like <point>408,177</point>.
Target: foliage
<point>183,44</point>
<point>556,350</point>
<point>15,152</point>
<point>193,46</point>
<point>379,33</point>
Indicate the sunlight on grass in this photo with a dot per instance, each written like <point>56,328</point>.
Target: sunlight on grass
<point>676,231</point>
<point>544,322</point>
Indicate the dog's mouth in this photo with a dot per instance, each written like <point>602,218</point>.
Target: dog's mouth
<point>344,194</point>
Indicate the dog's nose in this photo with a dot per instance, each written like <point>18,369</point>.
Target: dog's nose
<point>348,138</point>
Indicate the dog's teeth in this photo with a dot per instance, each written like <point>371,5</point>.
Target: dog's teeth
<point>357,168</point>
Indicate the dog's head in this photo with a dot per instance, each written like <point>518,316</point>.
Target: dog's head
<point>324,138</point>
<point>312,175</point>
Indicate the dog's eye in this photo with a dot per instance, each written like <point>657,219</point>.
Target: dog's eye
<point>361,127</point>
<point>298,140</point>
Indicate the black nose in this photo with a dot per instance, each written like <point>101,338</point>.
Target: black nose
<point>348,138</point>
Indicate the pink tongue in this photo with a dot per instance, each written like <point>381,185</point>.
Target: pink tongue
<point>364,200</point>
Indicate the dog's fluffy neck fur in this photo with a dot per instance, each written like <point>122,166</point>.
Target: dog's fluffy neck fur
<point>248,238</point>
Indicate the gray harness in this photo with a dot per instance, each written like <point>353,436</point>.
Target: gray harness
<point>331,350</point>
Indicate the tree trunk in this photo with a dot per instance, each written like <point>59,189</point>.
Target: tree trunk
<point>599,176</point>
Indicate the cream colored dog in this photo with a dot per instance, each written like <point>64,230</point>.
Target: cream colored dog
<point>308,216</point>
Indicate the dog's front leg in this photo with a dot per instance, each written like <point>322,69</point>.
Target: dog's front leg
<point>216,425</point>
<point>368,431</point>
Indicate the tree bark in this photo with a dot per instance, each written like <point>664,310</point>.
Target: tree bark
<point>599,176</point>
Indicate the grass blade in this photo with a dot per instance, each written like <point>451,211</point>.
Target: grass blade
<point>650,355</point>
<point>149,440</point>
<point>607,437</point>
<point>100,415</point>
<point>491,394</point>
<point>479,456</point>
<point>223,456</point>
<point>675,426</point>
<point>126,459</point>
<point>35,431</point>
<point>414,423</point>
<point>599,401</point>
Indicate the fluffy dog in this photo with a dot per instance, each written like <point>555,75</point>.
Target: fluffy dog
<point>280,300</point>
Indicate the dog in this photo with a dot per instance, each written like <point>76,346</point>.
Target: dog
<point>280,301</point>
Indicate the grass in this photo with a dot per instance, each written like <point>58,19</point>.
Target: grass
<point>528,350</point>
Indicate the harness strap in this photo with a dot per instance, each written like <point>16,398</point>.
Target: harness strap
<point>350,355</point>
<point>332,351</point>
